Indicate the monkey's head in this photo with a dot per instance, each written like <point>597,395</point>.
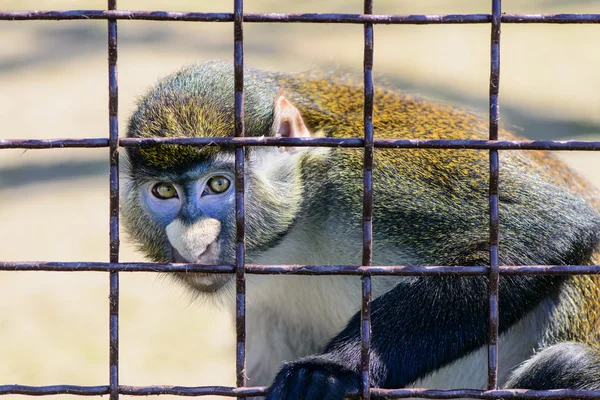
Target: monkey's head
<point>179,201</point>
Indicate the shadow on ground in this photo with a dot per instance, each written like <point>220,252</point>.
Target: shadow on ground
<point>34,174</point>
<point>61,44</point>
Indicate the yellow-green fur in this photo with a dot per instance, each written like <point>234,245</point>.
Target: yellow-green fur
<point>455,182</point>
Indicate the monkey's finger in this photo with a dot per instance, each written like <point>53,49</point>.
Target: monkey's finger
<point>313,379</point>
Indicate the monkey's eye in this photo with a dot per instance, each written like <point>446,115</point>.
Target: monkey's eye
<point>164,191</point>
<point>218,184</point>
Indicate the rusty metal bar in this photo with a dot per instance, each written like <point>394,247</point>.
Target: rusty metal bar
<point>240,268</point>
<point>555,394</point>
<point>294,269</point>
<point>487,144</point>
<point>52,143</point>
<point>550,18</point>
<point>133,390</point>
<point>240,211</point>
<point>567,145</point>
<point>241,392</point>
<point>113,111</point>
<point>27,390</point>
<point>486,394</point>
<point>367,226</point>
<point>31,15</point>
<point>494,272</point>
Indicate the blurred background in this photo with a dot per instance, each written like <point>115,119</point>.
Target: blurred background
<point>54,203</point>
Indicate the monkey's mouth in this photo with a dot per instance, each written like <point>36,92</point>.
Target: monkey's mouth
<point>203,282</point>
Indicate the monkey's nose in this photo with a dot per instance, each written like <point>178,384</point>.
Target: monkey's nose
<point>177,257</point>
<point>192,242</point>
<point>209,256</point>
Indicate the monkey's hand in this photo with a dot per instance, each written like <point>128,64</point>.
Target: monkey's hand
<point>313,378</point>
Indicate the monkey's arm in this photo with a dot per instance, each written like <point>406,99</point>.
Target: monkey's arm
<point>418,327</point>
<point>563,365</point>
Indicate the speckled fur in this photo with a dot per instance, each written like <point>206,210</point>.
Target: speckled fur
<point>430,206</point>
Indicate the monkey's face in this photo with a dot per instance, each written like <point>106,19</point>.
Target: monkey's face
<point>188,214</point>
<point>185,215</point>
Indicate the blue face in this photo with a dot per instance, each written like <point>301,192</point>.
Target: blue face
<point>187,215</point>
<point>193,195</point>
<point>194,209</point>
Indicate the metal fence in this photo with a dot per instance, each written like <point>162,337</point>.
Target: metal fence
<point>240,269</point>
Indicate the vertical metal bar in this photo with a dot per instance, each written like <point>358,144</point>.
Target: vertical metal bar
<point>113,107</point>
<point>367,254</point>
<point>494,276</point>
<point>240,321</point>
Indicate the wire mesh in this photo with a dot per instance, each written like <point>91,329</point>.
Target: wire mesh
<point>368,143</point>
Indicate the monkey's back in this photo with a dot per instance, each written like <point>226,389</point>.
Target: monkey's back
<point>334,104</point>
<point>459,180</point>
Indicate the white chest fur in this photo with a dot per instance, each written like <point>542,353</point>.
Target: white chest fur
<point>514,347</point>
<point>292,316</point>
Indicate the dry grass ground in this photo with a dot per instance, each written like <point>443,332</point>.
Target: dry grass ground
<point>54,203</point>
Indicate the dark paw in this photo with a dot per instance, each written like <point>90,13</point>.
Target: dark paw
<point>313,378</point>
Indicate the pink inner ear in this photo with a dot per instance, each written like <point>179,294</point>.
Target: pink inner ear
<point>285,129</point>
<point>288,121</point>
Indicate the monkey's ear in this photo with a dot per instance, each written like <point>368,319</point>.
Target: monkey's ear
<point>287,121</point>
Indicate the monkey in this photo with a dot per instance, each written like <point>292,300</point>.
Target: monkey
<point>304,206</point>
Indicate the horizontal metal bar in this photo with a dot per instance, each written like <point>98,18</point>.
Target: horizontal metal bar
<point>261,391</point>
<point>385,19</point>
<point>193,391</point>
<point>550,18</point>
<point>30,15</point>
<point>379,143</point>
<point>570,145</point>
<point>248,141</point>
<point>133,390</point>
<point>53,390</point>
<point>113,267</point>
<point>257,269</point>
<point>52,143</point>
<point>486,394</point>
